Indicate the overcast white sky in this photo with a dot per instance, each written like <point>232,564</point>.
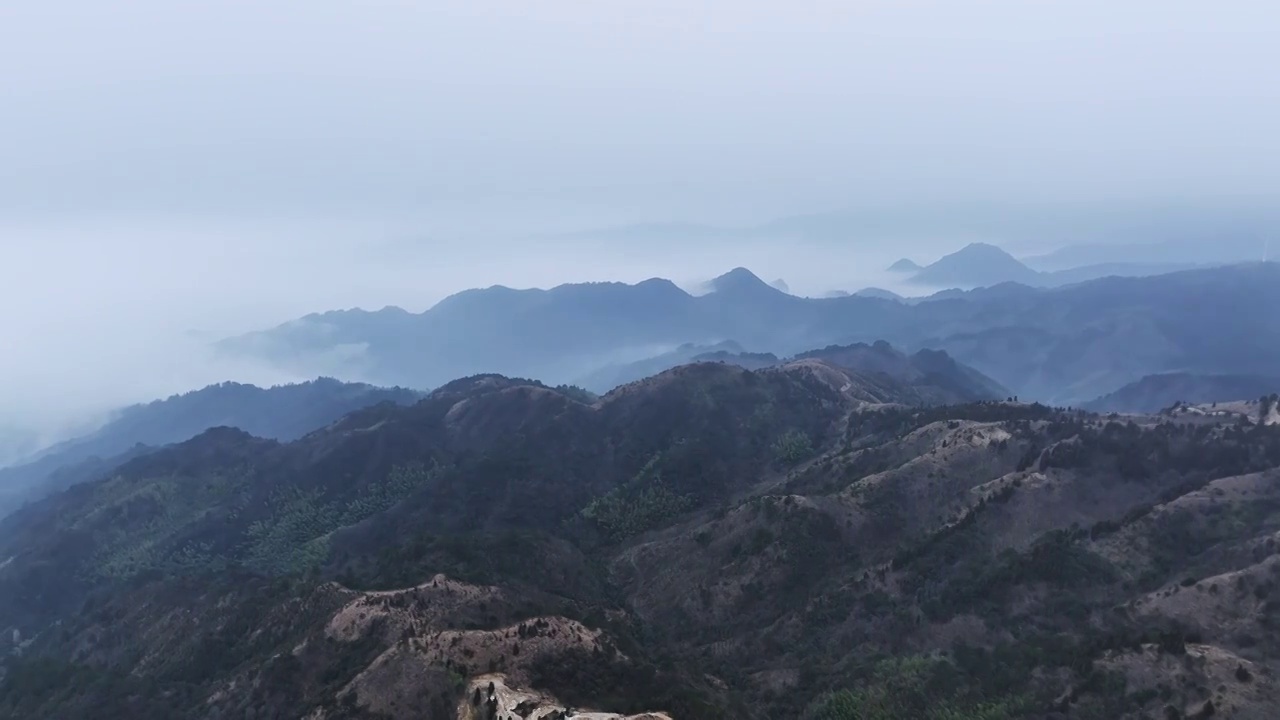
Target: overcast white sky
<point>171,165</point>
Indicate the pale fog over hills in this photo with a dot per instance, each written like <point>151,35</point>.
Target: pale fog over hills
<point>165,192</point>
<point>639,360</point>
<point>134,313</point>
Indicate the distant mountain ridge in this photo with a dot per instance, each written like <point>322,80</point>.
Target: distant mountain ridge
<point>878,293</point>
<point>1065,345</point>
<point>1157,392</point>
<point>928,377</point>
<point>976,265</point>
<point>611,376</point>
<point>984,265</point>
<point>934,376</point>
<point>284,412</point>
<point>1176,235</point>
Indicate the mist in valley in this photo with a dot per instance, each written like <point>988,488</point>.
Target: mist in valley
<point>163,192</point>
<point>639,360</point>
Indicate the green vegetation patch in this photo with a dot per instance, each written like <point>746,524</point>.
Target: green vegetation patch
<point>913,687</point>
<point>792,447</point>
<point>149,526</point>
<point>643,503</point>
<point>295,538</point>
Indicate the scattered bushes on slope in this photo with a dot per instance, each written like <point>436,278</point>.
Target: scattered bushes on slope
<point>643,503</point>
<point>913,687</point>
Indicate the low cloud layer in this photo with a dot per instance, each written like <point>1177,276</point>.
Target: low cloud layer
<point>176,173</point>
<point>100,315</point>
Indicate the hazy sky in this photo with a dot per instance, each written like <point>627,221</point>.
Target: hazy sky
<point>733,107</point>
<point>218,165</point>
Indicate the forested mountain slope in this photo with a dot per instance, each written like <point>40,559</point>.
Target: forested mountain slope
<point>283,412</point>
<point>711,542</point>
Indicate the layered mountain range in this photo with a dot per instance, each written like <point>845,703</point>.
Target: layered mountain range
<point>1065,345</point>
<point>933,375</point>
<point>1158,392</point>
<point>739,504</point>
<point>984,265</point>
<point>285,412</point>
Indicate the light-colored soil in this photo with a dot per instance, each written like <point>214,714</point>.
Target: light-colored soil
<point>1205,674</point>
<point>515,702</point>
